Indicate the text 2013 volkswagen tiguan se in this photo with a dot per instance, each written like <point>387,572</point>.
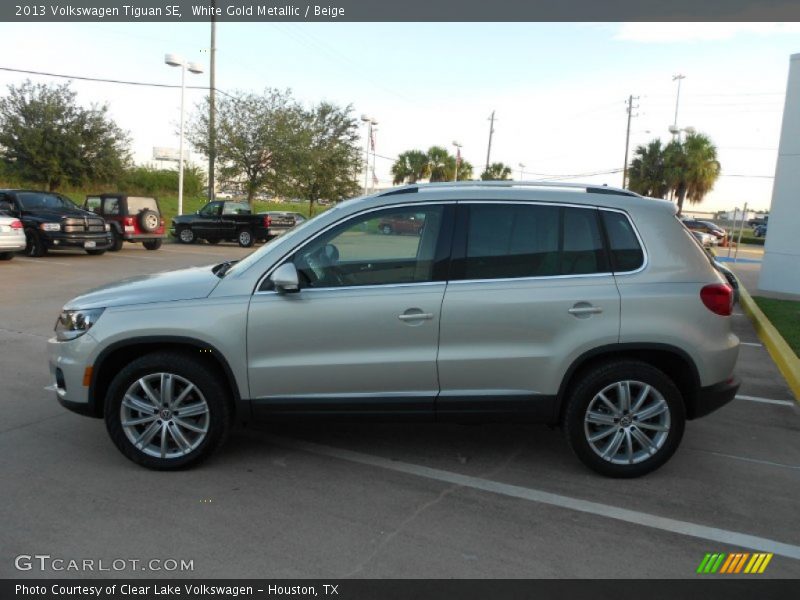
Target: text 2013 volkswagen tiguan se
<point>588,307</point>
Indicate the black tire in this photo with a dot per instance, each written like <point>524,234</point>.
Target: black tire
<point>214,241</point>
<point>96,252</point>
<point>211,390</point>
<point>149,221</point>
<point>597,379</point>
<point>34,245</point>
<point>245,238</point>
<point>6,255</point>
<point>116,241</point>
<point>152,244</point>
<point>186,235</point>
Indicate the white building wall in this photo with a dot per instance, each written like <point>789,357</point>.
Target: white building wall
<point>780,271</point>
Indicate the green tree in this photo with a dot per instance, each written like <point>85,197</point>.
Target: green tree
<point>691,168</point>
<point>46,137</point>
<point>442,164</point>
<point>647,171</point>
<point>465,170</point>
<point>496,172</point>
<point>257,138</point>
<point>410,167</point>
<point>324,157</point>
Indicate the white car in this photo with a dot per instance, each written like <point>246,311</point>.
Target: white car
<point>12,236</point>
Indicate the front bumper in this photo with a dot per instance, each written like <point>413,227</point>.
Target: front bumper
<point>68,362</point>
<point>713,397</point>
<point>142,237</point>
<point>102,241</point>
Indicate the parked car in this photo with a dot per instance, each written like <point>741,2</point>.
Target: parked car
<point>706,239</point>
<point>132,218</point>
<point>707,227</point>
<point>221,220</point>
<point>760,230</point>
<point>402,224</point>
<point>52,221</point>
<point>583,307</point>
<point>12,236</point>
<point>758,221</point>
<point>279,222</point>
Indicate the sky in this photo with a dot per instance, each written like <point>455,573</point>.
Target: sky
<point>558,90</point>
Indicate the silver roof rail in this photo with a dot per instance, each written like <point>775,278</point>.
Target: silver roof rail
<point>589,188</point>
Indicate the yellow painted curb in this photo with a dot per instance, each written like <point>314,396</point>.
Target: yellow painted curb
<point>787,361</point>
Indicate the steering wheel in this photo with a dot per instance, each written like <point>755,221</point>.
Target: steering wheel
<point>322,263</point>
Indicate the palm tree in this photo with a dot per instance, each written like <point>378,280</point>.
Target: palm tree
<point>691,168</point>
<point>646,173</point>
<point>496,171</point>
<point>465,170</point>
<point>442,164</point>
<point>410,166</point>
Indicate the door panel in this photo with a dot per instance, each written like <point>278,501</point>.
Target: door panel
<point>346,343</point>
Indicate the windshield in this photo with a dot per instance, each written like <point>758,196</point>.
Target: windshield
<point>38,200</point>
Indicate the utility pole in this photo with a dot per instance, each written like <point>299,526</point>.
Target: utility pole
<point>491,132</point>
<point>212,106</point>
<point>629,107</point>
<point>679,77</point>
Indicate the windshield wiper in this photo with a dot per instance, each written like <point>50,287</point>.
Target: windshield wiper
<point>223,267</point>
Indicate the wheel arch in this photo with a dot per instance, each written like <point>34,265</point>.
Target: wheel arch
<point>676,364</point>
<point>116,355</point>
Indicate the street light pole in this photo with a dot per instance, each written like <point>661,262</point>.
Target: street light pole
<point>521,172</point>
<point>491,133</point>
<point>176,61</point>
<point>368,121</point>
<point>458,158</point>
<point>629,110</point>
<point>679,77</point>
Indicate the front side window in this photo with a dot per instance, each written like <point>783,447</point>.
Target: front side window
<point>212,209</point>
<point>93,203</point>
<point>364,251</point>
<point>521,240</point>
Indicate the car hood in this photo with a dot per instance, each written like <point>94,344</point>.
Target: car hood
<point>52,214</point>
<point>185,284</point>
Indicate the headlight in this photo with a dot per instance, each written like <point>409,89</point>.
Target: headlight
<point>74,323</point>
<point>50,226</point>
<point>108,227</point>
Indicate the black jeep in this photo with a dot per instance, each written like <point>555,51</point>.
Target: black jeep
<point>53,221</point>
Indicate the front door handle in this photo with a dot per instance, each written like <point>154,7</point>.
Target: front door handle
<point>415,316</point>
<point>585,309</point>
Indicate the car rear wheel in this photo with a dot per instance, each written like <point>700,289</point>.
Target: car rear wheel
<point>186,235</point>
<point>624,418</point>
<point>386,229</point>
<point>6,255</point>
<point>34,246</point>
<point>116,242</point>
<point>245,238</point>
<point>152,244</point>
<point>167,411</point>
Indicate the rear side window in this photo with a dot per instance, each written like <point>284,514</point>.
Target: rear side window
<point>625,251</point>
<point>137,204</point>
<point>509,241</point>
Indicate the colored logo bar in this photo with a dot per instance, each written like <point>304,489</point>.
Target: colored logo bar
<point>734,563</point>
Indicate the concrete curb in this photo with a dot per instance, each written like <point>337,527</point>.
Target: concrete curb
<point>787,361</point>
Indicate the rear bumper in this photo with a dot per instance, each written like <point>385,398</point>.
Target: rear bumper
<point>12,243</point>
<point>713,397</point>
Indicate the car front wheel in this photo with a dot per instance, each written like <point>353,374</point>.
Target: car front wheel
<point>624,418</point>
<point>34,245</point>
<point>167,411</point>
<point>116,242</point>
<point>186,236</point>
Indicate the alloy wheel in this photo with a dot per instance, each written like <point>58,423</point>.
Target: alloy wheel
<point>627,422</point>
<point>164,415</point>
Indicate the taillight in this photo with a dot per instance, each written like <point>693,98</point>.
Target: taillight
<point>267,221</point>
<point>16,224</point>
<point>718,298</point>
<point>128,220</point>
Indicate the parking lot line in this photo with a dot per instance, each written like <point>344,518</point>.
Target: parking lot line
<point>39,261</point>
<point>758,461</point>
<point>695,530</point>
<point>765,400</point>
<point>751,344</point>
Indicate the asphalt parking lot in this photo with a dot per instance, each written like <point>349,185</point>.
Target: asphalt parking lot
<point>376,500</point>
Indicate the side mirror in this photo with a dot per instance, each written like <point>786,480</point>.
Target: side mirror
<point>285,279</point>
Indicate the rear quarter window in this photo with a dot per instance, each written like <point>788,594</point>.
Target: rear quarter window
<point>137,204</point>
<point>625,251</point>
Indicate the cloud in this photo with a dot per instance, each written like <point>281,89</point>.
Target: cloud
<point>665,33</point>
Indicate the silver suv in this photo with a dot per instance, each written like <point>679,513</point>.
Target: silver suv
<point>588,307</point>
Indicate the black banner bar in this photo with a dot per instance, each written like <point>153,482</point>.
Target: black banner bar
<point>732,588</point>
<point>405,11</point>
